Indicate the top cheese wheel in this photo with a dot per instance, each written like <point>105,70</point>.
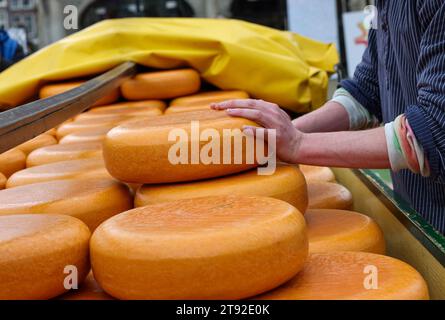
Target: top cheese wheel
<point>162,85</point>
<point>64,152</point>
<point>179,109</point>
<point>2,181</point>
<point>317,174</point>
<point>88,290</point>
<point>338,230</point>
<point>287,184</point>
<point>72,169</point>
<point>228,247</point>
<point>156,150</point>
<point>353,276</point>
<point>92,201</point>
<point>92,135</point>
<point>34,252</point>
<point>327,195</point>
<point>58,88</point>
<point>12,161</point>
<point>40,141</point>
<point>206,98</point>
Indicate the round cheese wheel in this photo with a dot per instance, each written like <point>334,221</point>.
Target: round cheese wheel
<point>162,85</point>
<point>206,98</point>
<point>317,174</point>
<point>38,142</point>
<point>230,247</point>
<point>2,181</point>
<point>64,152</point>
<point>287,184</point>
<point>338,230</point>
<point>93,135</point>
<point>327,195</point>
<point>90,124</point>
<point>34,252</point>
<point>352,276</point>
<point>12,161</point>
<point>88,290</point>
<point>137,108</point>
<point>92,201</point>
<point>72,169</point>
<point>58,88</point>
<point>148,151</point>
<point>179,109</point>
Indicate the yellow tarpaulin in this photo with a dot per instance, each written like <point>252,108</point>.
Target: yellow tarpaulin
<point>276,66</point>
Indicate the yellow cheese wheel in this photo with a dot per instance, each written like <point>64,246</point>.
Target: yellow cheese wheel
<point>58,88</point>
<point>90,124</point>
<point>141,151</point>
<point>287,184</point>
<point>92,201</point>
<point>317,174</point>
<point>88,290</point>
<point>71,169</point>
<point>34,252</point>
<point>162,85</point>
<point>12,161</point>
<point>52,132</point>
<point>93,135</point>
<point>338,230</point>
<point>228,247</point>
<point>135,108</point>
<point>38,142</point>
<point>206,98</point>
<point>64,152</point>
<point>179,109</point>
<point>2,181</point>
<point>353,276</point>
<point>327,195</point>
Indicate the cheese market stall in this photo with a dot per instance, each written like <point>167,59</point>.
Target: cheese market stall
<point>91,160</point>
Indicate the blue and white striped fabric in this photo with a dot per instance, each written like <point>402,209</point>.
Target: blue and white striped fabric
<point>403,71</point>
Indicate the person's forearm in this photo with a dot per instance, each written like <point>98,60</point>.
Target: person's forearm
<point>329,118</point>
<point>358,149</point>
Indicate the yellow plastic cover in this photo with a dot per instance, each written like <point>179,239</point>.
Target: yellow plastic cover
<point>277,66</point>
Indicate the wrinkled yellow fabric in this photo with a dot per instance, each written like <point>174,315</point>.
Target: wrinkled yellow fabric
<point>277,66</point>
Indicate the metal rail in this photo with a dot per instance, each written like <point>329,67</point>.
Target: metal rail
<point>25,122</point>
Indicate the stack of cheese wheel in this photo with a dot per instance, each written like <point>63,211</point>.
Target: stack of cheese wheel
<point>2,181</point>
<point>12,161</point>
<point>338,230</point>
<point>202,101</point>
<point>64,152</point>
<point>88,290</point>
<point>156,150</point>
<point>91,124</point>
<point>63,170</point>
<point>38,253</point>
<point>134,109</point>
<point>328,195</point>
<point>40,141</point>
<point>162,85</point>
<point>287,184</point>
<point>58,88</point>
<point>230,247</point>
<point>352,276</point>
<point>90,200</point>
<point>317,174</point>
<point>93,135</point>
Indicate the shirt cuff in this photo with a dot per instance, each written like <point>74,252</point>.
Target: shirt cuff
<point>396,158</point>
<point>359,116</point>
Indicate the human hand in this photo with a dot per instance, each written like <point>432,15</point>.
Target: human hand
<point>274,121</point>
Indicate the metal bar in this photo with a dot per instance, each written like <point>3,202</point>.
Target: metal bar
<point>343,65</point>
<point>25,122</point>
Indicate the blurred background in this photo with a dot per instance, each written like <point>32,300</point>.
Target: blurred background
<point>27,25</point>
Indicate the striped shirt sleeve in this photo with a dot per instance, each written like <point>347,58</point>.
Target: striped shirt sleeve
<point>427,117</point>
